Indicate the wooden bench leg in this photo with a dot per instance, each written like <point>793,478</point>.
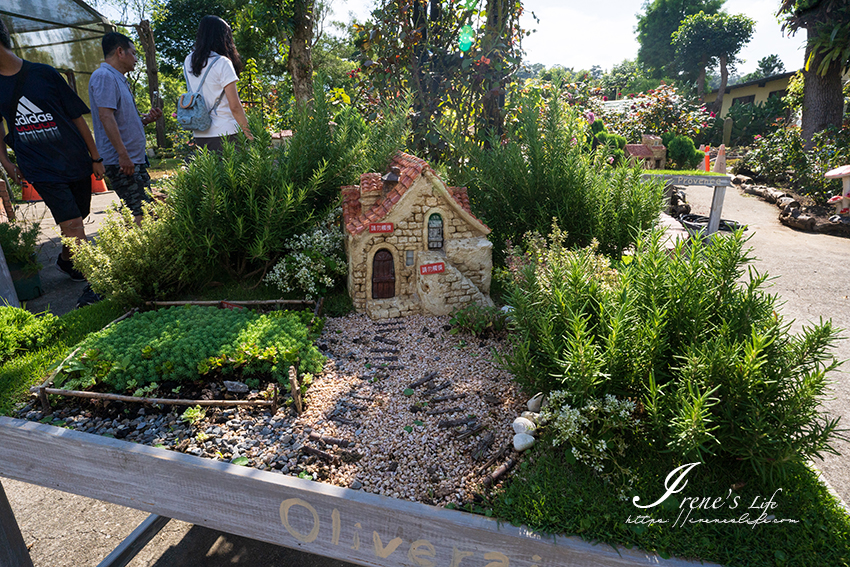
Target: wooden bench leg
<point>134,542</point>
<point>13,550</point>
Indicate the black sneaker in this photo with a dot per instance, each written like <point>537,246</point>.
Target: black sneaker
<point>88,297</point>
<point>68,267</point>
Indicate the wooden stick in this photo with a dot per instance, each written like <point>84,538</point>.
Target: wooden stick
<point>342,420</point>
<point>442,411</point>
<point>162,401</point>
<point>494,476</point>
<point>501,452</point>
<point>245,302</point>
<point>447,398</point>
<point>479,427</point>
<point>41,390</point>
<point>327,440</point>
<point>321,454</point>
<point>456,422</point>
<point>484,444</point>
<point>436,389</point>
<point>294,388</point>
<point>424,380</point>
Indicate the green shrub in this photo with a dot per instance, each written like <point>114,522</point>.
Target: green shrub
<point>315,261</point>
<point>542,170</point>
<point>781,158</point>
<point>681,150</point>
<point>19,241</point>
<point>656,111</point>
<point>192,343</point>
<point>481,321</point>
<point>716,370</point>
<point>21,331</point>
<point>234,214</point>
<point>748,121</point>
<point>132,264</point>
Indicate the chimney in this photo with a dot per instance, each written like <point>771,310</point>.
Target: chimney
<point>390,180</point>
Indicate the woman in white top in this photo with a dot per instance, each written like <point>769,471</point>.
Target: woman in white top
<point>214,46</point>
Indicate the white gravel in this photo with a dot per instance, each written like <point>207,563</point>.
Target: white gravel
<point>394,450</point>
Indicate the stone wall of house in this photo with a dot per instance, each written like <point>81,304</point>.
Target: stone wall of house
<point>446,292</point>
<point>464,253</point>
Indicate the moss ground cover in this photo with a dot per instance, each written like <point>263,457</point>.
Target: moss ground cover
<point>192,343</point>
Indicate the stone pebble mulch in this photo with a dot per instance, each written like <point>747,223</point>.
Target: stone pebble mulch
<point>371,420</point>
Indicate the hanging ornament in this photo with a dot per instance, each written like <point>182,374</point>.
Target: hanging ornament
<point>465,44</point>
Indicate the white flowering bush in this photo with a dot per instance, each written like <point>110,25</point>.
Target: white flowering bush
<point>596,433</point>
<point>314,263</point>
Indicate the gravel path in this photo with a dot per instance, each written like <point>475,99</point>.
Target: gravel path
<point>370,422</point>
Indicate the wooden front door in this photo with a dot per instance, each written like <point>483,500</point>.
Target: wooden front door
<point>383,275</point>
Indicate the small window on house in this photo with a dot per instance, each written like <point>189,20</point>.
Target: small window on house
<point>408,258</point>
<point>779,94</point>
<point>435,232</point>
<point>744,100</point>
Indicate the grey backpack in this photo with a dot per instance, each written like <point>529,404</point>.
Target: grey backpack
<point>192,111</point>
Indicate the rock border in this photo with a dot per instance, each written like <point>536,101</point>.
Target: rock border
<point>791,212</point>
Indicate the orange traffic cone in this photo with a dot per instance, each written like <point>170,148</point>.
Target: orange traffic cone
<point>97,185</point>
<point>28,191</point>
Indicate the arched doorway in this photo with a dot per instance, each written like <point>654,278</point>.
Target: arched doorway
<point>383,275</point>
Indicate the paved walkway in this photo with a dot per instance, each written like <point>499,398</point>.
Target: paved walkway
<point>64,530</point>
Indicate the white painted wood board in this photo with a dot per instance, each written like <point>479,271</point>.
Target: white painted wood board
<point>321,519</point>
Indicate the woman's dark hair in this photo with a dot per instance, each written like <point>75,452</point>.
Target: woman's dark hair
<point>214,35</point>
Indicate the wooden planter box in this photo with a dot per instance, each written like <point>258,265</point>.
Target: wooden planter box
<point>340,523</point>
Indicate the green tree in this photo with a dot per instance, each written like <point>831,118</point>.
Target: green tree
<point>660,18</point>
<point>703,39</point>
<point>827,25</point>
<point>454,58</point>
<point>626,77</point>
<point>278,34</point>
<point>767,66</point>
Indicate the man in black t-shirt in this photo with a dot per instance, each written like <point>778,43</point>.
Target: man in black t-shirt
<point>54,148</point>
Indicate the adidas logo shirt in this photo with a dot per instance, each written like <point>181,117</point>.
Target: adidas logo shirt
<point>48,146</point>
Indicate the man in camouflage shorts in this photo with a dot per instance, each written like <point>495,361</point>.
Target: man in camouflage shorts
<point>132,189</point>
<point>119,130</point>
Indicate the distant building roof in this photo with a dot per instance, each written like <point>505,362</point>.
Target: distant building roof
<point>760,82</point>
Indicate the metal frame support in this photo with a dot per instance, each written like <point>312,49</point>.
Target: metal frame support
<point>13,550</point>
<point>135,542</point>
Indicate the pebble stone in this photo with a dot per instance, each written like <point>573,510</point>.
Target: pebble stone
<point>393,452</point>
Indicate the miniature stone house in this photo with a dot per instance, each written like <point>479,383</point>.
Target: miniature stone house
<point>651,152</point>
<point>413,245</point>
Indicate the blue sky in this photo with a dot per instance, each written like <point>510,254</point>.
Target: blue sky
<point>581,34</point>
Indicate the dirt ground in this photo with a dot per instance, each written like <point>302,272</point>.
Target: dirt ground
<point>62,530</point>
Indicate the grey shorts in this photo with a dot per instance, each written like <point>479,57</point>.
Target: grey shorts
<point>132,189</point>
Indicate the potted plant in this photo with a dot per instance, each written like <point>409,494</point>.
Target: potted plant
<point>20,244</point>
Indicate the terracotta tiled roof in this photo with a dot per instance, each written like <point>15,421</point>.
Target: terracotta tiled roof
<point>410,168</point>
<point>638,150</point>
<point>370,182</point>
